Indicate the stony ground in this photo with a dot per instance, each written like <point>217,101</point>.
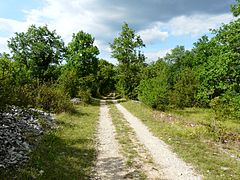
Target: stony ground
<point>20,128</point>
<point>110,164</point>
<point>19,132</point>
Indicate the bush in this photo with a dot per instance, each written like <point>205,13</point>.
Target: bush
<point>154,92</point>
<point>226,106</point>
<point>69,82</point>
<point>85,95</point>
<point>6,81</point>
<point>185,89</point>
<point>24,95</point>
<point>52,98</point>
<point>6,92</point>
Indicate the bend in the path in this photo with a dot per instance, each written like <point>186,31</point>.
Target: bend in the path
<point>172,166</point>
<point>110,163</point>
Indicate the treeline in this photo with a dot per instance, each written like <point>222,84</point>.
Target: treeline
<point>206,76</point>
<point>42,72</point>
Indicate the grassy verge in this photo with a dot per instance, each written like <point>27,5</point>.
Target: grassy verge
<point>128,147</point>
<point>65,153</point>
<point>191,134</point>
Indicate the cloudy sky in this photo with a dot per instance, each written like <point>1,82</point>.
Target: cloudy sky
<point>162,24</point>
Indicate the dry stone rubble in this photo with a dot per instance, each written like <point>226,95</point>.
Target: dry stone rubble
<point>19,132</point>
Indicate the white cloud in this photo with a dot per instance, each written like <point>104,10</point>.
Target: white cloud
<point>3,45</point>
<point>196,24</point>
<point>11,26</point>
<point>102,19</point>
<point>154,55</point>
<point>153,34</point>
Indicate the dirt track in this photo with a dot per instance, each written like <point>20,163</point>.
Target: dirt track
<point>110,163</point>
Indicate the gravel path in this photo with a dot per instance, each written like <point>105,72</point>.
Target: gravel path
<point>110,163</point>
<point>171,165</point>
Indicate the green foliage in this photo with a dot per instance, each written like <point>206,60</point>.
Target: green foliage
<point>39,51</point>
<point>82,54</point>
<point>154,91</point>
<point>69,82</point>
<point>82,58</point>
<point>221,70</point>
<point>37,56</point>
<point>236,8</point>
<point>6,80</point>
<point>185,89</point>
<point>105,77</point>
<point>126,49</point>
<point>52,98</point>
<point>226,106</point>
<point>84,95</point>
<point>25,95</point>
<point>178,59</point>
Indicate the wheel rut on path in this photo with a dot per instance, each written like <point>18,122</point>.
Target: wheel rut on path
<point>171,165</point>
<point>110,164</point>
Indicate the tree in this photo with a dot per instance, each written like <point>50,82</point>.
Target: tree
<point>39,50</point>
<point>106,77</point>
<point>82,59</point>
<point>153,91</point>
<point>82,54</point>
<point>236,8</point>
<point>185,89</point>
<point>69,82</point>
<point>6,80</point>
<point>126,49</point>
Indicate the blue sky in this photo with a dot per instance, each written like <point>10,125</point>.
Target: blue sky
<point>162,24</point>
<point>13,9</point>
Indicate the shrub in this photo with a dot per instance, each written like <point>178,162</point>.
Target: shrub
<point>52,98</point>
<point>24,95</point>
<point>6,81</point>
<point>226,106</point>
<point>154,92</point>
<point>185,89</point>
<point>85,95</point>
<point>69,82</point>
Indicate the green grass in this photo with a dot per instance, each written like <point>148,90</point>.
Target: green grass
<point>192,135</point>
<point>124,136</point>
<point>65,153</point>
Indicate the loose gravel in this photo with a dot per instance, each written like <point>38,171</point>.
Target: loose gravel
<point>110,163</point>
<point>171,165</point>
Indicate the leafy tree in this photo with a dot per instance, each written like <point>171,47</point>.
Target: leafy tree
<point>221,71</point>
<point>82,54</point>
<point>106,77</point>
<point>176,55</point>
<point>154,90</point>
<point>82,58</point>
<point>69,82</point>
<point>126,49</point>
<point>38,50</point>
<point>236,8</point>
<point>178,59</point>
<point>6,80</point>
<point>185,89</point>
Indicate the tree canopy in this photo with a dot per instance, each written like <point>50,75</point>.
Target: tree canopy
<point>39,50</point>
<point>126,49</point>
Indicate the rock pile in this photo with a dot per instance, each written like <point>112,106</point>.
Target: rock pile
<point>19,130</point>
<point>76,101</point>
